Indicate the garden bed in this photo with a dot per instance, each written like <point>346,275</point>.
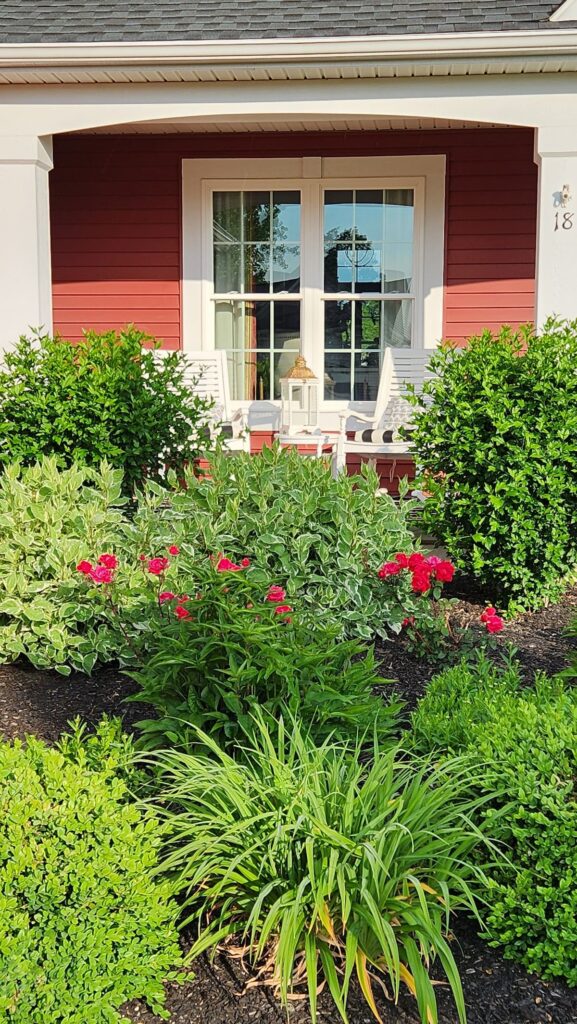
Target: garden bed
<point>496,991</point>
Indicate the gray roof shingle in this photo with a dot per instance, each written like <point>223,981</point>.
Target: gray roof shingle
<point>31,21</point>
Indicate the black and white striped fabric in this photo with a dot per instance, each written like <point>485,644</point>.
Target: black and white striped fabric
<point>393,426</point>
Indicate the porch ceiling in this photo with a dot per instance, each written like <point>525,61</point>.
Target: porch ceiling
<point>190,125</point>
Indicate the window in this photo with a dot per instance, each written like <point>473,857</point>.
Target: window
<point>336,258</point>
<point>256,275</point>
<point>368,256</point>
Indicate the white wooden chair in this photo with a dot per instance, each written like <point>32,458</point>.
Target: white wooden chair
<point>380,436</point>
<point>207,374</point>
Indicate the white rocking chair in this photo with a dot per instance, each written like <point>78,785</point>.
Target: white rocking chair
<point>392,410</point>
<point>207,374</point>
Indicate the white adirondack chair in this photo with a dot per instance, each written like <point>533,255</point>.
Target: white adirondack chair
<point>392,410</point>
<point>207,374</point>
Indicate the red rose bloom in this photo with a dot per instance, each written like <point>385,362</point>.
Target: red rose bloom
<point>245,563</point>
<point>100,574</point>
<point>166,595</point>
<point>157,566</point>
<point>402,560</point>
<point>416,561</point>
<point>410,621</point>
<point>494,624</point>
<point>225,565</point>
<point>275,594</point>
<point>181,612</point>
<point>444,572</point>
<point>84,567</point>
<point>489,613</point>
<point>108,561</point>
<point>421,582</point>
<point>282,609</point>
<point>389,569</point>
<point>173,550</point>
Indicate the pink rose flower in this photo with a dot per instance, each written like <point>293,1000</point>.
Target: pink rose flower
<point>275,594</point>
<point>173,550</point>
<point>157,566</point>
<point>166,595</point>
<point>108,561</point>
<point>181,612</point>
<point>100,574</point>
<point>84,567</point>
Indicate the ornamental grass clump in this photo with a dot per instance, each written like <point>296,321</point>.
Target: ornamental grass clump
<point>319,868</point>
<point>494,433</point>
<point>86,922</point>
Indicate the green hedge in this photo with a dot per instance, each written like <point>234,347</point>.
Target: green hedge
<point>525,742</point>
<point>84,924</point>
<point>496,436</point>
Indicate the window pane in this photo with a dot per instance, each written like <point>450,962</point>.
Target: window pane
<point>227,216</point>
<point>369,214</point>
<point>398,268</point>
<point>286,217</point>
<point>337,375</point>
<point>339,260</point>
<point>338,327</point>
<point>256,268</point>
<point>286,268</point>
<point>338,215</point>
<point>368,267</point>
<point>368,324</point>
<point>256,216</point>
<point>397,322</point>
<point>261,340</point>
<point>367,371</point>
<point>227,268</point>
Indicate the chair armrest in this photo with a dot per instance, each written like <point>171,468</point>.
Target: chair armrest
<point>347,414</point>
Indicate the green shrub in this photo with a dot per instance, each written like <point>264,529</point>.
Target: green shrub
<point>495,435</point>
<point>104,398</point>
<point>322,539</point>
<point>525,741</point>
<point>48,519</point>
<point>84,924</point>
<point>322,867</point>
<point>240,647</point>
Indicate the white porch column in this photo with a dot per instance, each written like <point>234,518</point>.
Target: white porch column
<point>25,278</point>
<point>556,285</point>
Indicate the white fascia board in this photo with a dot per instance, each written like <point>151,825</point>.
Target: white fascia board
<point>450,46</point>
<point>566,12</point>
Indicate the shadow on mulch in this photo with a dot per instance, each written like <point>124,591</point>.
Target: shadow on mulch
<point>496,991</point>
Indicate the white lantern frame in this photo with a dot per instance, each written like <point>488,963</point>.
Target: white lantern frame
<point>299,400</point>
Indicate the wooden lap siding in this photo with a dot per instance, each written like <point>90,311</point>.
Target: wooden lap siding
<point>116,221</point>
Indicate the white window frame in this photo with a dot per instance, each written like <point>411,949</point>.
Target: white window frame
<point>312,176</point>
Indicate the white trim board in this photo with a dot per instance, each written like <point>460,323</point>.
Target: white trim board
<point>566,12</point>
<point>425,174</point>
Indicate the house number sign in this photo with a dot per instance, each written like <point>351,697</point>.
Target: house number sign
<point>563,219</point>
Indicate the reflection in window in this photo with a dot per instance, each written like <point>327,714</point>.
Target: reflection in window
<point>257,252</point>
<point>356,335</point>
<point>368,254</point>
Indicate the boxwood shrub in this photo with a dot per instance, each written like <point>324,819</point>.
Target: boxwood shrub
<point>85,925</point>
<point>525,742</point>
<point>495,434</point>
<point>106,397</point>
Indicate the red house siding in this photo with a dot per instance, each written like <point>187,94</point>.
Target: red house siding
<point>116,221</point>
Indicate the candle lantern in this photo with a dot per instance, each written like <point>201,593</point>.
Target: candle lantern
<point>299,390</point>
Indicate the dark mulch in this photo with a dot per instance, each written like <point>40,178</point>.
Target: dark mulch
<point>496,991</point>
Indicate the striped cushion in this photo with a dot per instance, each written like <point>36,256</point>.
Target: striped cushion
<point>393,424</point>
